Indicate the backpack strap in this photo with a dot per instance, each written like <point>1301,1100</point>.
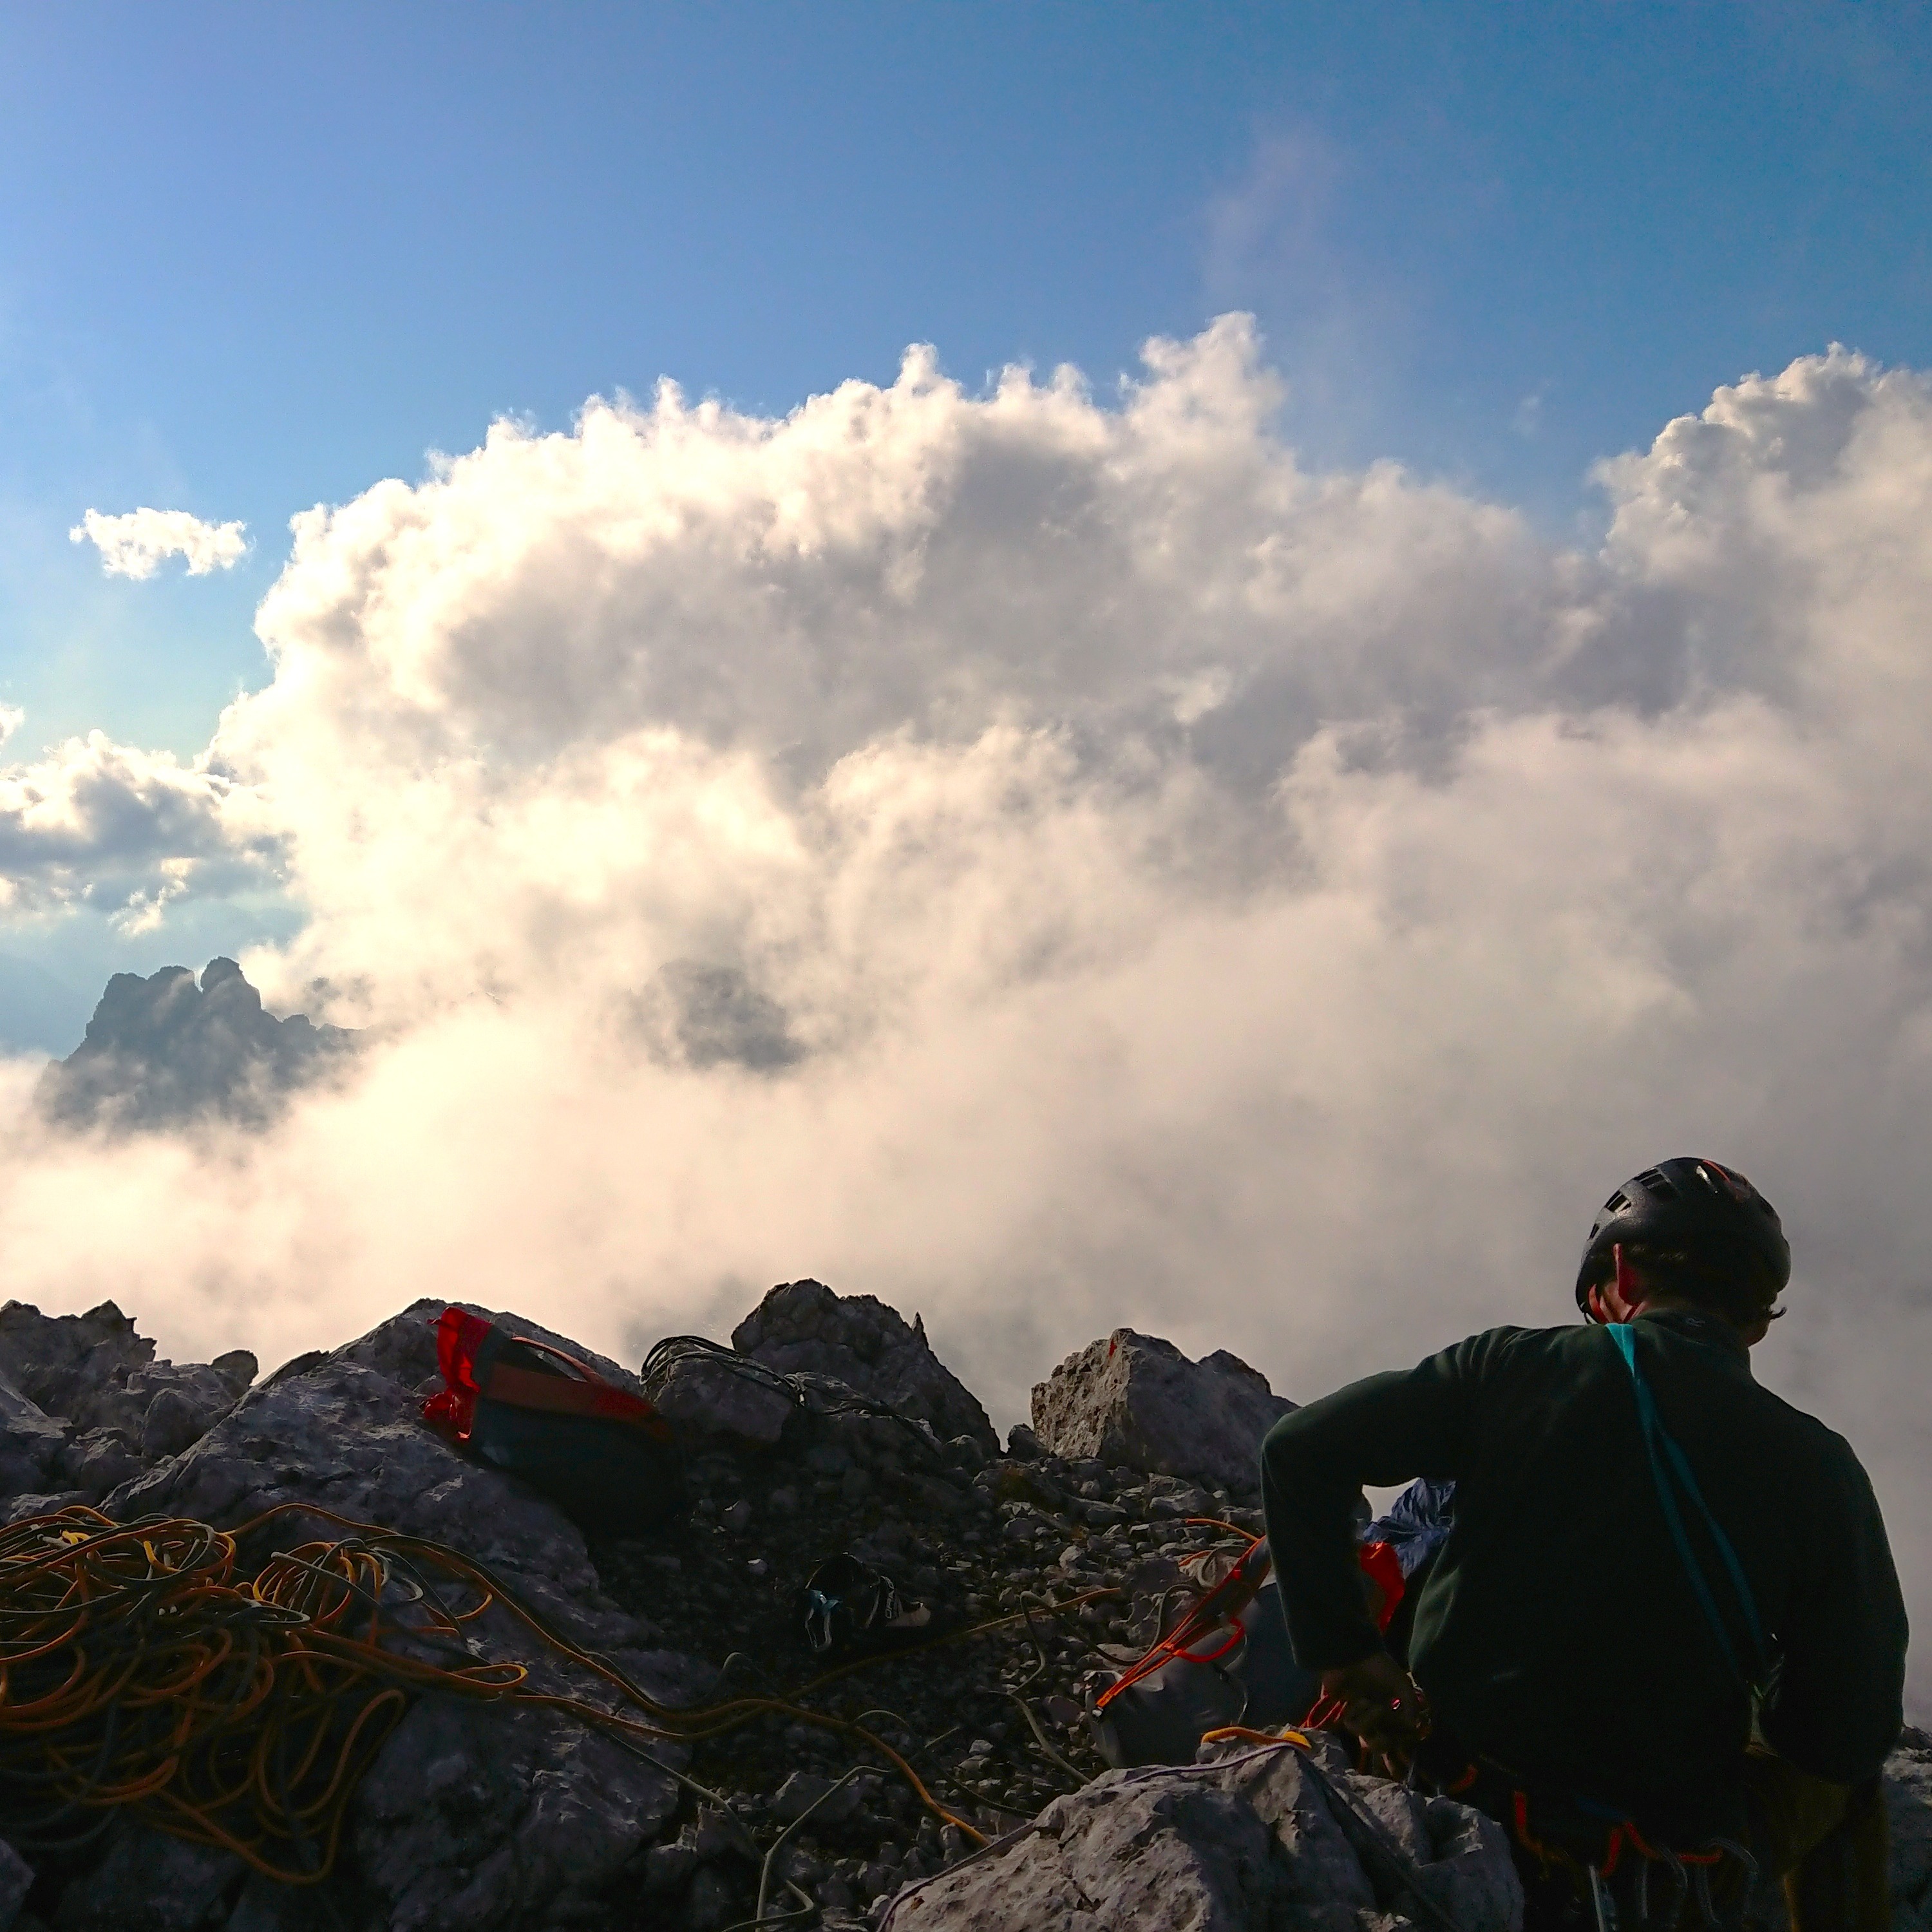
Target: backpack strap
<point>1668,1463</point>
<point>513,1369</point>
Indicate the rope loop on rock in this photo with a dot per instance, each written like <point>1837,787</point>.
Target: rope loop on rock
<point>143,1666</point>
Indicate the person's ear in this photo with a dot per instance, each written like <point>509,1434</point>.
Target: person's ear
<point>1629,1284</point>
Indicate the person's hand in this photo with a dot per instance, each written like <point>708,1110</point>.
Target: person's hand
<point>1381,1705</point>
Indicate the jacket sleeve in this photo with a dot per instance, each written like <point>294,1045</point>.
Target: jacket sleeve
<point>1315,1463</point>
<point>1838,1701</point>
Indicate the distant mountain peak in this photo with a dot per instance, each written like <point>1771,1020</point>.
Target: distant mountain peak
<point>167,1050</point>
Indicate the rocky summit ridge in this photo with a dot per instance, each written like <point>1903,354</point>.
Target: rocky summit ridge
<point>476,1816</point>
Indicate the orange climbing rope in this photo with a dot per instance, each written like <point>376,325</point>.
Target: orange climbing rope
<point>142,1665</point>
<point>1216,1614</point>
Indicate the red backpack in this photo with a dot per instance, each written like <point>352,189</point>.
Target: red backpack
<point>605,1456</point>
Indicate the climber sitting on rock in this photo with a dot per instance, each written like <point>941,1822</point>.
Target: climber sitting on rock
<point>1650,1551</point>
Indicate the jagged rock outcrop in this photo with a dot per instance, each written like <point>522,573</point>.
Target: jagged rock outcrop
<point>349,1439</point>
<point>1246,1838</point>
<point>804,1327</point>
<point>167,1050</point>
<point>697,1014</point>
<point>475,1817</point>
<point>714,1405</point>
<point>145,1880</point>
<point>403,1347</point>
<point>1135,1399</point>
<point>84,1406</point>
<point>59,1360</point>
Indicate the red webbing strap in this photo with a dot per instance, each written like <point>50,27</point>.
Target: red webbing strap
<point>459,1334</point>
<point>530,1388</point>
<point>1383,1568</point>
<point>583,1391</point>
<point>1224,1603</point>
<point>1618,1837</point>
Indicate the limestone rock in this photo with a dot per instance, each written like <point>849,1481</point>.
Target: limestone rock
<point>266,1905</point>
<point>148,1882</point>
<point>163,1407</point>
<point>1136,1399</point>
<point>476,1816</point>
<point>349,1439</point>
<point>805,1791</point>
<point>58,1361</point>
<point>100,1391</point>
<point>1242,1841</point>
<point>857,1339</point>
<point>697,1014</point>
<point>32,1444</point>
<point>237,1369</point>
<point>472,1814</point>
<point>1119,1855</point>
<point>101,1460</point>
<point>709,1403</point>
<point>403,1347</point>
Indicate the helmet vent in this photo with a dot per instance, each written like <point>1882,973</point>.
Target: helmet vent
<point>1657,1183</point>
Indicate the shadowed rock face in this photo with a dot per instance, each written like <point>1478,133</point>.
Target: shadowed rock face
<point>856,1338</point>
<point>164,1050</point>
<point>84,1404</point>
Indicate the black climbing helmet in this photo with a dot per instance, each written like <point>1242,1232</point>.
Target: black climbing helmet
<point>1709,1213</point>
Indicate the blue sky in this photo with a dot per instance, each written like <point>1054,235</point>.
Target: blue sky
<point>254,259</point>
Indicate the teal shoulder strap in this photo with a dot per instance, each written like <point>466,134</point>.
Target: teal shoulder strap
<point>1668,1464</point>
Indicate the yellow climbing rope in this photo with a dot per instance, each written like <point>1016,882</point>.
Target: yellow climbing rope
<point>143,1665</point>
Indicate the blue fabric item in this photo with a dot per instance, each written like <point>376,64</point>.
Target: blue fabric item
<point>1418,1524</point>
<point>1668,1460</point>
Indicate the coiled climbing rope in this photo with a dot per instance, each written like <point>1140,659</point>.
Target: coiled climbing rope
<point>145,1665</point>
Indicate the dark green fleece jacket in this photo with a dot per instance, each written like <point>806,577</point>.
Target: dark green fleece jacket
<point>1559,1631</point>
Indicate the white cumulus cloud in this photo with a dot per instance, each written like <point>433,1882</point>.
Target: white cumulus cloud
<point>1053,864</point>
<point>137,543</point>
<point>122,830</point>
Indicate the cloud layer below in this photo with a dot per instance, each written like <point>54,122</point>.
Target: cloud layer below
<point>1052,865</point>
